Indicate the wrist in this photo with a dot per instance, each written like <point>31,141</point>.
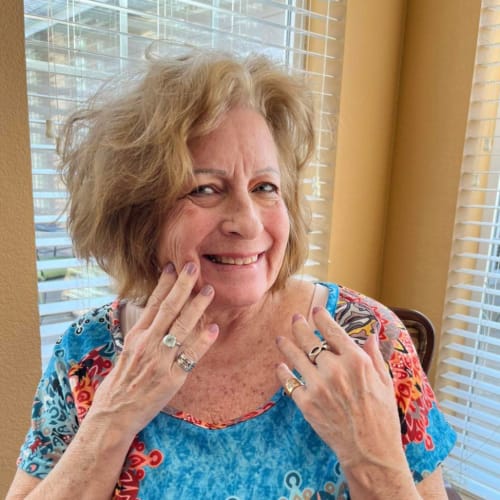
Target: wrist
<point>381,481</point>
<point>108,430</point>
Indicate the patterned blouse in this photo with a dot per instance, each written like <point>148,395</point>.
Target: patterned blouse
<point>271,453</point>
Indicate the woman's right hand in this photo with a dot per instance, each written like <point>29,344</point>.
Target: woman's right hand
<point>147,375</point>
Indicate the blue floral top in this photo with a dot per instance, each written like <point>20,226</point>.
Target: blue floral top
<point>271,453</point>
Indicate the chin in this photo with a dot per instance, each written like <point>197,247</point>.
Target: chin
<point>238,296</point>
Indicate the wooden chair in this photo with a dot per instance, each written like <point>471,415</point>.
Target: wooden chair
<point>422,333</point>
<point>421,330</point>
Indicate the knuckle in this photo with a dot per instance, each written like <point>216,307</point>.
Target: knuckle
<point>185,284</point>
<point>154,301</point>
<point>200,303</point>
<point>182,326</point>
<point>168,308</point>
<point>332,329</point>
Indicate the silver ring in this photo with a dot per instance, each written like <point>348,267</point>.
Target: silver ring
<point>317,350</point>
<point>187,364</point>
<point>170,340</point>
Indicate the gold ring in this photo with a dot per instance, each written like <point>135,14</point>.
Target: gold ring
<point>317,350</point>
<point>291,384</point>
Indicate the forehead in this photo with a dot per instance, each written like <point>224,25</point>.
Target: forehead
<point>219,172</point>
<point>242,136</point>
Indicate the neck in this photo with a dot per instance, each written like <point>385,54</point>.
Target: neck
<point>232,320</point>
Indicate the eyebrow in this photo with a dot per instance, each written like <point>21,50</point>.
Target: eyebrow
<point>223,173</point>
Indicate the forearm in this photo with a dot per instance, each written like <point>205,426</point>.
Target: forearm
<point>91,466</point>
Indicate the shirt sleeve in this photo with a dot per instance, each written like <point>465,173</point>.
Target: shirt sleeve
<point>426,436</point>
<point>54,419</point>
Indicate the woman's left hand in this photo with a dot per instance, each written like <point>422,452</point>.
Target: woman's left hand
<point>347,396</point>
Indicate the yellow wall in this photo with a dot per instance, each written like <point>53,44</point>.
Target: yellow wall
<point>19,337</point>
<point>368,102</point>
<point>407,73</point>
<point>405,94</point>
<point>436,76</point>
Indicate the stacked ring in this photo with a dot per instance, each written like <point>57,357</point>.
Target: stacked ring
<point>170,340</point>
<point>291,384</point>
<point>317,350</point>
<point>187,364</point>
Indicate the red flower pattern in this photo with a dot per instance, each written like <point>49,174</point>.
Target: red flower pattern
<point>133,471</point>
<point>413,392</point>
<point>85,377</point>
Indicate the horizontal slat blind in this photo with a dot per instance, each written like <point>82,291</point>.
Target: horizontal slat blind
<point>72,46</point>
<point>469,365</point>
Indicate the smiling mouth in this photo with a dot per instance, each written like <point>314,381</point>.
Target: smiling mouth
<point>238,261</point>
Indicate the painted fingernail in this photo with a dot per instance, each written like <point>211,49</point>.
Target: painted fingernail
<point>190,268</point>
<point>213,330</point>
<point>296,317</point>
<point>207,290</point>
<point>169,268</point>
<point>316,309</point>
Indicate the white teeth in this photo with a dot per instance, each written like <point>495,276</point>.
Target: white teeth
<point>238,262</point>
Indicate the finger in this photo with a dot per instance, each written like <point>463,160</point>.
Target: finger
<point>338,340</point>
<point>173,303</point>
<point>306,339</point>
<point>165,284</point>
<point>372,348</point>
<point>192,313</point>
<point>296,358</point>
<point>191,353</point>
<point>293,386</point>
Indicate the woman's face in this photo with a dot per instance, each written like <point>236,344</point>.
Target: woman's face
<point>232,222</point>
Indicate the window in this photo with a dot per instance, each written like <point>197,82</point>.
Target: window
<point>469,368</point>
<point>72,46</point>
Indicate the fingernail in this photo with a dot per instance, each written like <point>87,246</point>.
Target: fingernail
<point>213,330</point>
<point>316,309</point>
<point>279,339</point>
<point>207,290</point>
<point>169,268</point>
<point>296,317</point>
<point>190,267</point>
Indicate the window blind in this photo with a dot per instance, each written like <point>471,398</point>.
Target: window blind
<point>72,46</point>
<point>469,367</point>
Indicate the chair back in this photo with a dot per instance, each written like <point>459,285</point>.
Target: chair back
<point>422,333</point>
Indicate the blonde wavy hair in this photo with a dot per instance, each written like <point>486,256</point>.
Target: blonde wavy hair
<point>125,159</point>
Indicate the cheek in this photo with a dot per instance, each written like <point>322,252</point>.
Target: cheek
<point>172,240</point>
<point>169,241</point>
<point>280,223</point>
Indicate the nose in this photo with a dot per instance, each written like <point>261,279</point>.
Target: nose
<point>242,217</point>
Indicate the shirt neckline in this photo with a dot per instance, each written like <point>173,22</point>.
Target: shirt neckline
<point>117,337</point>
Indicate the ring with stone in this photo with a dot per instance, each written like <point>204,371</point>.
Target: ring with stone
<point>170,340</point>
<point>317,350</point>
<point>186,363</point>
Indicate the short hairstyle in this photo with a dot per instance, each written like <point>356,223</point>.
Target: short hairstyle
<point>125,158</point>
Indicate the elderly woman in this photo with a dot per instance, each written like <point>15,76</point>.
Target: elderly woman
<point>217,374</point>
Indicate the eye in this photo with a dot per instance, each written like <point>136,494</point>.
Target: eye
<point>266,187</point>
<point>203,190</point>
